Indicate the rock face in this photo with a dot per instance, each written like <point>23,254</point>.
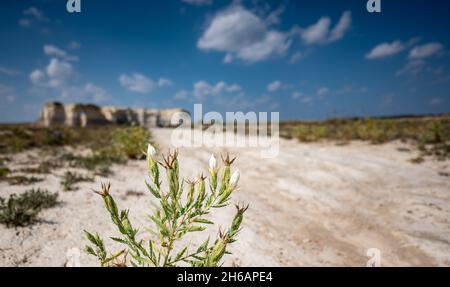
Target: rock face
<point>55,113</point>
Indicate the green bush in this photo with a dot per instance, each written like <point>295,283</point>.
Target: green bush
<point>69,179</point>
<point>21,210</point>
<point>131,142</point>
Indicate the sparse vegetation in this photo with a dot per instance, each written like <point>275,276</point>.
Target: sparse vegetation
<point>21,179</point>
<point>44,167</point>
<point>69,180</point>
<point>4,172</point>
<point>179,211</point>
<point>131,142</point>
<point>22,210</point>
<point>431,135</point>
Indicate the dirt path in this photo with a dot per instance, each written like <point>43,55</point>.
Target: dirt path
<point>314,204</point>
<point>322,204</point>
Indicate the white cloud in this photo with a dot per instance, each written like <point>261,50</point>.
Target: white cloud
<point>56,74</point>
<point>321,32</point>
<point>98,93</point>
<point>8,72</point>
<point>228,58</point>
<point>297,95</point>
<point>54,51</point>
<point>297,56</point>
<point>163,82</point>
<point>181,95</point>
<point>274,86</point>
<point>35,13</point>
<point>32,14</point>
<point>198,2</point>
<point>412,67</point>
<point>322,91</point>
<point>240,33</point>
<point>139,83</point>
<point>425,51</point>
<point>385,50</point>
<point>203,89</point>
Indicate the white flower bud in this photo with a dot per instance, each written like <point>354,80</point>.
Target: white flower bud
<point>212,162</point>
<point>235,178</point>
<point>151,151</point>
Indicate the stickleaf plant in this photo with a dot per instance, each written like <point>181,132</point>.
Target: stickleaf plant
<point>179,210</point>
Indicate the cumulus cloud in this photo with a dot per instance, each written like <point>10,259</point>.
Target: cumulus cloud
<point>181,95</point>
<point>140,83</point>
<point>32,15</point>
<point>297,56</point>
<point>297,95</point>
<point>59,77</point>
<point>198,2</point>
<point>98,93</point>
<point>425,51</point>
<point>385,50</point>
<point>274,86</point>
<point>51,50</point>
<point>203,89</point>
<point>137,83</point>
<point>240,33</point>
<point>412,67</point>
<point>321,31</point>
<point>163,82</point>
<point>54,51</point>
<point>55,74</point>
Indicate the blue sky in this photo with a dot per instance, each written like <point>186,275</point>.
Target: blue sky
<point>304,59</point>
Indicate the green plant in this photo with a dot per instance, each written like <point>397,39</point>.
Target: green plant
<point>22,180</point>
<point>21,210</point>
<point>131,141</point>
<point>4,171</point>
<point>179,211</point>
<point>69,179</point>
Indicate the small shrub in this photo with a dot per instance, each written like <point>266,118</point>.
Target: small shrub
<point>4,171</point>
<point>22,180</point>
<point>69,179</point>
<point>131,142</point>
<point>21,210</point>
<point>179,211</point>
<point>100,162</point>
<point>43,168</point>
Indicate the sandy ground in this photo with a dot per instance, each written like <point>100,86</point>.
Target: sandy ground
<point>314,204</point>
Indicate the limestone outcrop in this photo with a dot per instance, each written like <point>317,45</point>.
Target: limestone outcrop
<point>55,113</point>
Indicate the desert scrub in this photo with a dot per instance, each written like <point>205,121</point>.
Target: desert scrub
<point>69,179</point>
<point>131,142</point>
<point>22,210</point>
<point>180,210</point>
<point>4,171</point>
<point>21,179</point>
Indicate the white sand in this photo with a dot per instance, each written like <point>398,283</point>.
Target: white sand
<point>314,204</point>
